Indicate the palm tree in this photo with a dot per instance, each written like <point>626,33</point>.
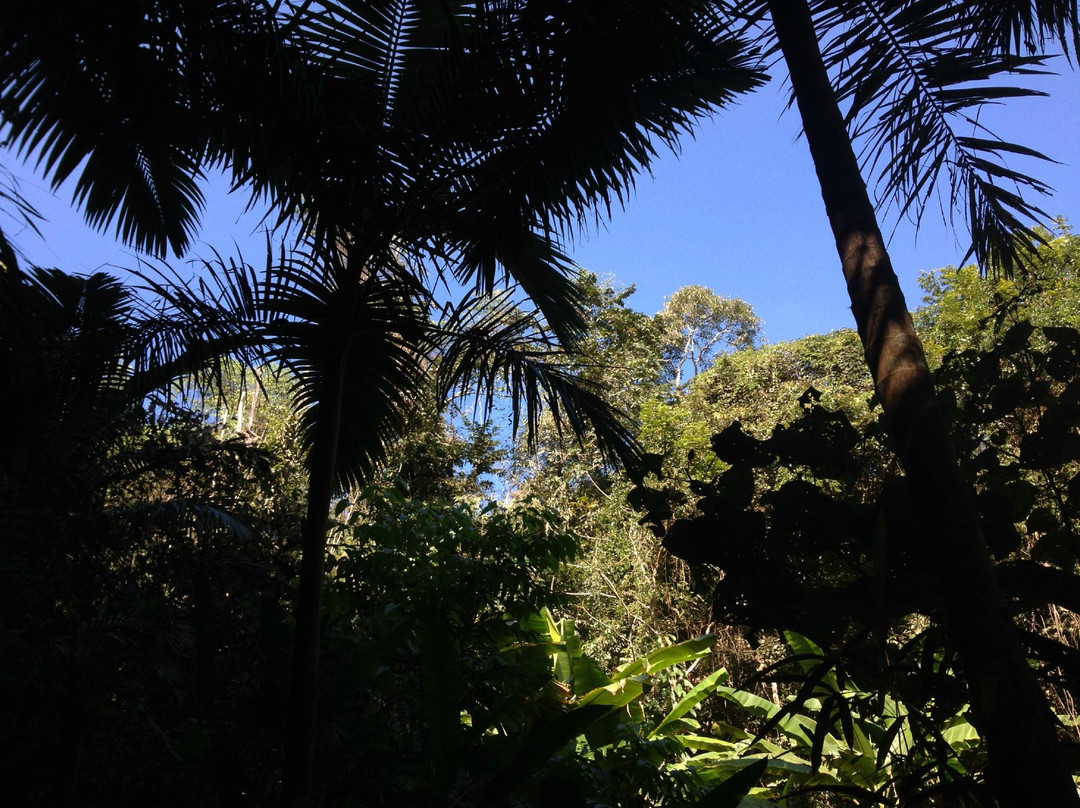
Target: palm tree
<point>476,135</point>
<point>455,142</point>
<point>297,315</point>
<point>912,77</point>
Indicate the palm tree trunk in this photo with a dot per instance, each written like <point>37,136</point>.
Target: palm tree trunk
<point>1025,763</point>
<point>301,721</point>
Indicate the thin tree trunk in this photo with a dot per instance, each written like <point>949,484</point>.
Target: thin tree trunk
<point>301,722</point>
<point>240,410</point>
<point>1025,762</point>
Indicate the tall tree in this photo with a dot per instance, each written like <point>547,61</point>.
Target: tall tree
<point>460,161</point>
<point>909,67</point>
<point>413,138</point>
<point>697,323</point>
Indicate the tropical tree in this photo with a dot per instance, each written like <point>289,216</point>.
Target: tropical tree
<point>812,524</point>
<point>761,388</point>
<point>456,139</point>
<point>963,309</point>
<point>912,77</point>
<point>697,323</point>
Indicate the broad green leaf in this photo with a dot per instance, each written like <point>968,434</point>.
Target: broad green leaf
<point>803,646</point>
<point>831,746</point>
<point>769,747</point>
<point>550,626</point>
<point>562,664</point>
<point>754,703</point>
<point>961,734</point>
<point>731,792</point>
<point>586,675</point>
<point>790,764</point>
<point>668,656</point>
<point>535,623</point>
<point>730,731</point>
<point>798,727</point>
<point>708,744</point>
<point>897,741</point>
<point>690,700</point>
<point>618,693</point>
<point>710,765</point>
<point>568,629</point>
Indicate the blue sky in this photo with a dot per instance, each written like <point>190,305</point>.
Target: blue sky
<point>738,211</point>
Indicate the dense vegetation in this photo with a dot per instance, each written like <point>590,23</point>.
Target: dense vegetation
<point>493,643</point>
<point>258,547</point>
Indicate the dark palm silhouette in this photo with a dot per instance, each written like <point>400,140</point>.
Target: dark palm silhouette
<point>907,80</point>
<point>415,144</point>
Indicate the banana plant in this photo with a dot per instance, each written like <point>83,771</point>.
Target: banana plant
<point>623,693</point>
<point>832,736</point>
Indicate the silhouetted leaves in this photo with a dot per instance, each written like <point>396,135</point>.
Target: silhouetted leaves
<point>736,447</point>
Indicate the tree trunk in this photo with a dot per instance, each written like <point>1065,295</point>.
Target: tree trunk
<point>301,722</point>
<point>1025,761</point>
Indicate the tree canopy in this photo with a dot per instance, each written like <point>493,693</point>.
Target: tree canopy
<point>898,636</point>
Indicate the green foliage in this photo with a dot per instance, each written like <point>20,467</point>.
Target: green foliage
<point>628,753</point>
<point>832,738</point>
<point>435,461</point>
<point>426,605</point>
<point>630,596</point>
<point>441,630</point>
<point>827,553</point>
<point>150,558</point>
<point>813,529</point>
<point>761,388</point>
<point>156,586</point>
<point>696,323</point>
<point>144,624</point>
<point>964,310</point>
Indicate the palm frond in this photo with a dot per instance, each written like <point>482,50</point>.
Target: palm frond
<point>85,344</point>
<point>558,107</point>
<point>488,131</point>
<point>14,206</point>
<point>489,347</point>
<point>589,91</point>
<point>69,85</point>
<point>914,90</point>
<point>494,248</point>
<point>1015,26</point>
<point>190,328</point>
<point>67,344</point>
<point>188,512</point>
<point>146,459</point>
<point>362,331</point>
<point>137,97</point>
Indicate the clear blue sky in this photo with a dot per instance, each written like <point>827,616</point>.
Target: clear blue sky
<point>738,211</point>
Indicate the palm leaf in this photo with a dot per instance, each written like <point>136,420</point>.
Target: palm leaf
<point>137,98</point>
<point>483,132</point>
<point>915,86</point>
<point>371,331</point>
<point>1011,26</point>
<point>489,347</point>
